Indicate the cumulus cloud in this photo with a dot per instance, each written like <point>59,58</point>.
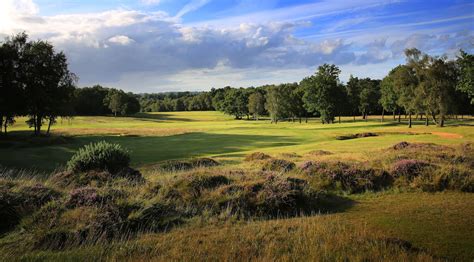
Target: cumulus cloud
<point>155,50</point>
<point>121,40</point>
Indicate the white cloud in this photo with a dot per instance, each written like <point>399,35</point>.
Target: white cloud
<point>121,40</point>
<point>191,6</point>
<point>152,51</point>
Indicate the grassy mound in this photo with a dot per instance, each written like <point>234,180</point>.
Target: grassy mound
<point>278,165</point>
<point>182,165</point>
<point>257,156</point>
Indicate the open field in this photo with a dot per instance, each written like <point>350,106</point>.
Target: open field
<point>428,217</point>
<point>161,136</point>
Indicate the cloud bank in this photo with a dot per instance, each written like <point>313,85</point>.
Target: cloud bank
<point>154,51</point>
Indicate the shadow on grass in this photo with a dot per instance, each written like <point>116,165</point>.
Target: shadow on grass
<point>144,150</point>
<point>161,117</point>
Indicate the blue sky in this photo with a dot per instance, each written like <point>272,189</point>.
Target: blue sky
<point>172,45</point>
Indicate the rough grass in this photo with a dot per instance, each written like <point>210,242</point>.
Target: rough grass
<point>353,200</point>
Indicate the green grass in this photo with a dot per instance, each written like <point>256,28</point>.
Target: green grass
<point>161,136</point>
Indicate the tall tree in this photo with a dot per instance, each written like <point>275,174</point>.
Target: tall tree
<point>256,104</point>
<point>321,92</point>
<point>48,83</point>
<point>353,94</point>
<point>388,95</point>
<point>275,103</point>
<point>116,101</point>
<point>405,84</point>
<point>369,96</point>
<point>465,64</point>
<point>11,84</point>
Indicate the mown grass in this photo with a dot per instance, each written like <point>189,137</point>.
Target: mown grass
<point>162,136</point>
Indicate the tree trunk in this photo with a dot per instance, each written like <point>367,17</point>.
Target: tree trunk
<point>49,126</point>
<point>34,124</point>
<point>38,124</point>
<point>353,115</point>
<point>366,117</point>
<point>409,120</point>
<point>1,123</point>
<point>427,123</point>
<point>5,126</point>
<point>300,119</point>
<point>399,116</point>
<point>306,120</point>
<point>383,112</point>
<point>441,121</point>
<point>339,119</point>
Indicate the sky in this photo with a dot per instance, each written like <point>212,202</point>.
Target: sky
<point>193,45</point>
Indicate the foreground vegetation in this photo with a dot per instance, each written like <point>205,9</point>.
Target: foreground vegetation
<point>357,191</point>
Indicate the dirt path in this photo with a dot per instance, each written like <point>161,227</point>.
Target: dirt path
<point>447,135</point>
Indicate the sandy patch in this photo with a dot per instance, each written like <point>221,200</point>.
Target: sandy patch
<point>447,135</point>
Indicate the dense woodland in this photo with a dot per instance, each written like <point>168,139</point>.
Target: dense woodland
<point>35,81</point>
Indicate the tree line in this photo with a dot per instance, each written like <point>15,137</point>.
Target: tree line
<point>35,82</point>
<point>425,87</point>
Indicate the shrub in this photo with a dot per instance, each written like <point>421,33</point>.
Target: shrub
<point>354,136</point>
<point>175,165</point>
<point>319,153</point>
<point>182,165</point>
<point>275,196</point>
<point>89,178</point>
<point>85,196</point>
<point>99,156</point>
<point>131,175</point>
<point>310,166</point>
<point>257,156</point>
<point>401,145</point>
<point>408,168</point>
<point>14,205</point>
<point>190,186</point>
<point>156,217</point>
<point>447,178</point>
<point>279,165</point>
<point>204,162</point>
<point>290,155</point>
<point>349,178</point>
<point>79,226</point>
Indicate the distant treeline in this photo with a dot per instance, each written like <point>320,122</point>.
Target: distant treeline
<point>35,81</point>
<point>428,87</point>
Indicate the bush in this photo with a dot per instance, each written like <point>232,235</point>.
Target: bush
<point>79,226</point>
<point>278,165</point>
<point>156,217</point>
<point>319,153</point>
<point>99,156</point>
<point>354,136</point>
<point>349,178</point>
<point>401,145</point>
<point>204,162</point>
<point>89,178</point>
<point>182,165</point>
<point>85,196</point>
<point>275,196</point>
<point>257,156</point>
<point>408,168</point>
<point>14,205</point>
